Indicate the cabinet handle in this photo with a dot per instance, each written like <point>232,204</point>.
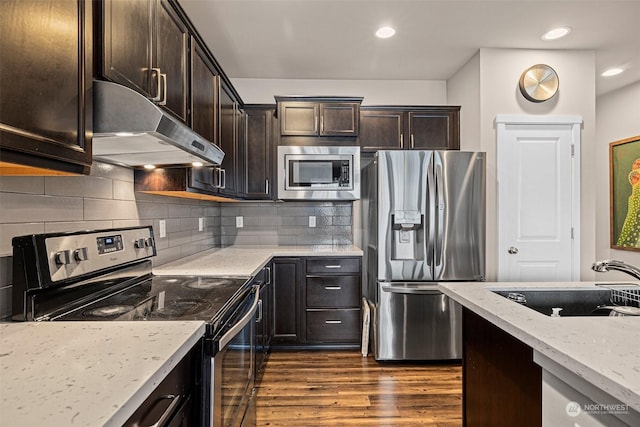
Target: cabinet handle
<point>333,266</point>
<point>259,318</point>
<point>163,78</point>
<point>169,411</point>
<point>266,186</point>
<point>333,322</point>
<point>224,178</point>
<point>337,288</point>
<point>158,88</point>
<point>401,140</point>
<point>412,142</point>
<point>268,281</point>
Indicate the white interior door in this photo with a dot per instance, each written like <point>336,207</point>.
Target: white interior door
<point>538,175</point>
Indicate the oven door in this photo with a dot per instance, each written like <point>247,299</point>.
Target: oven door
<point>232,366</point>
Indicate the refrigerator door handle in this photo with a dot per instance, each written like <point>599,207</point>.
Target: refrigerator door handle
<point>440,215</point>
<point>415,289</point>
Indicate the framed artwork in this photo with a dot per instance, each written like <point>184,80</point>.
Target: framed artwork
<point>624,181</point>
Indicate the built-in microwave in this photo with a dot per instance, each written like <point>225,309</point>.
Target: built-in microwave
<point>318,173</point>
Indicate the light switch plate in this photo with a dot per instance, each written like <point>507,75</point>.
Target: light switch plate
<point>163,228</point>
<point>239,222</point>
<point>200,224</point>
<point>312,221</point>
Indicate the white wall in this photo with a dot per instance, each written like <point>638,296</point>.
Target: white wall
<point>618,117</point>
<point>375,92</point>
<point>488,84</point>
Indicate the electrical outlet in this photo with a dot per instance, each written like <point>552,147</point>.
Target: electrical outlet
<point>239,222</point>
<point>312,221</point>
<point>163,228</point>
<point>200,224</point>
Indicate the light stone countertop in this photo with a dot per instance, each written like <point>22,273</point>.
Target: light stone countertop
<point>85,373</point>
<point>605,351</point>
<point>245,261</point>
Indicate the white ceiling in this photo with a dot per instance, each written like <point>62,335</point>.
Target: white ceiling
<point>334,39</point>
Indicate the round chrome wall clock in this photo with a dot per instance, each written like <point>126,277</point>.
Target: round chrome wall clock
<point>539,83</point>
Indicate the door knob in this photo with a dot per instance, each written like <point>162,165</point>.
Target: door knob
<point>512,250</point>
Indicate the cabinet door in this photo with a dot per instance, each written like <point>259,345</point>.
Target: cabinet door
<point>287,287</point>
<point>257,152</point>
<point>204,178</point>
<point>172,49</point>
<point>339,119</point>
<point>298,118</point>
<point>381,130</point>
<point>228,142</point>
<point>205,95</point>
<point>45,83</point>
<point>127,42</point>
<point>434,130</point>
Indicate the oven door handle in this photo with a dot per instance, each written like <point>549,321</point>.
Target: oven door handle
<point>231,333</point>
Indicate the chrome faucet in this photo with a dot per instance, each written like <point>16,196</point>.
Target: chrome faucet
<point>606,265</point>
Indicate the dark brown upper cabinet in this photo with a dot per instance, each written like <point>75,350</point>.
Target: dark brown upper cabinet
<point>433,128</point>
<point>146,47</point>
<point>205,95</point>
<point>256,152</point>
<point>45,81</point>
<point>230,130</point>
<point>321,116</point>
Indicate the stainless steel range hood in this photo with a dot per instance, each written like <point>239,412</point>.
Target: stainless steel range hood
<point>132,131</point>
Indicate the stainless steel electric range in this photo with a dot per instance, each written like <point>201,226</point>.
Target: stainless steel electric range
<point>107,275</point>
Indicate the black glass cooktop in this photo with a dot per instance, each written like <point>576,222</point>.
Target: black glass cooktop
<point>166,298</point>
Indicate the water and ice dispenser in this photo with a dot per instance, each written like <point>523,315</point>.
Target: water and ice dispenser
<point>408,235</point>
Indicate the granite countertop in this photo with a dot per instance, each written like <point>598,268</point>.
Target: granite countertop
<point>85,373</point>
<point>602,350</point>
<point>245,261</point>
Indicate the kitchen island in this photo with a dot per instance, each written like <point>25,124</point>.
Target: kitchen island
<point>592,360</point>
<point>86,373</point>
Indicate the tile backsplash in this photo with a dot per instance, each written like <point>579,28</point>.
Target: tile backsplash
<point>106,199</point>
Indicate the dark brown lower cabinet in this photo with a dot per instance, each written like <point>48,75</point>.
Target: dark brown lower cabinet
<point>317,302</point>
<point>502,386</point>
<point>288,273</point>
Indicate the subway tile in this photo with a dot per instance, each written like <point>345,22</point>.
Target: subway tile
<point>173,225</point>
<point>314,240</point>
<point>228,221</point>
<point>22,184</point>
<point>341,220</point>
<point>179,238</point>
<point>152,210</point>
<point>20,208</point>
<point>6,270</point>
<point>167,255</point>
<point>99,209</point>
<point>178,211</point>
<point>268,221</point>
<point>5,302</point>
<point>296,210</point>
<point>61,227</point>
<point>227,210</point>
<point>258,210</point>
<point>106,170</point>
<point>9,231</point>
<point>189,224</point>
<point>79,186</point>
<point>123,190</point>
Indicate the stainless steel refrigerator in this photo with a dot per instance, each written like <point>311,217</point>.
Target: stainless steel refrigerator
<point>423,217</point>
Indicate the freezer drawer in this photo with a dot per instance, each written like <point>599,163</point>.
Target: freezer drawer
<point>415,321</point>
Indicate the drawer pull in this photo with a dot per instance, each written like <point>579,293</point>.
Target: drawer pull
<point>336,288</point>
<point>333,266</point>
<point>333,322</point>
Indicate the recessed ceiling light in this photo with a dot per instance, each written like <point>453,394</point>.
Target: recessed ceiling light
<point>385,32</point>
<point>612,72</point>
<point>149,166</point>
<point>196,164</point>
<point>556,33</point>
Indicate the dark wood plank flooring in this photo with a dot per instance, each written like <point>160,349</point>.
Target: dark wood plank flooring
<point>342,388</point>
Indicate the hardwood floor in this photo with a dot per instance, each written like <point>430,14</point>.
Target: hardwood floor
<point>341,388</point>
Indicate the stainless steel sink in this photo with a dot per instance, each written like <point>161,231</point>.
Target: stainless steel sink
<point>590,301</point>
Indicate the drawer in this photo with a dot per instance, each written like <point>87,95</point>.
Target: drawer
<point>333,265</point>
<point>333,325</point>
<point>333,291</point>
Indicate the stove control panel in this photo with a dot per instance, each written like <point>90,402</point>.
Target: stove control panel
<point>74,254</point>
